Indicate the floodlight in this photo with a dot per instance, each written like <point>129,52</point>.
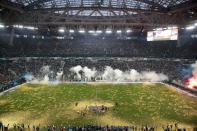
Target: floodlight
<point>108,31</point>
<point>30,28</point>
<point>20,26</point>
<point>118,31</point>
<point>128,31</point>
<point>82,31</point>
<point>191,27</point>
<point>99,31</point>
<point>169,28</point>
<point>71,31</point>
<point>61,30</point>
<point>2,26</point>
<point>159,29</point>
<point>91,31</point>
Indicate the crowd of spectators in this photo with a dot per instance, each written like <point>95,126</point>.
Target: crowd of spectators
<point>12,69</point>
<point>88,45</point>
<point>23,127</point>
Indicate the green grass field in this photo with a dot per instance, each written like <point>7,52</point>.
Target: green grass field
<point>128,104</point>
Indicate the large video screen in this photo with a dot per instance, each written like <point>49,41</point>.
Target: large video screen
<point>160,34</point>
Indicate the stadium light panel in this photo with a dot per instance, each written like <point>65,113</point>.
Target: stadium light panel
<point>61,30</point>
<point>26,27</point>
<point>30,28</point>
<point>91,31</point>
<point>99,31</point>
<point>60,38</point>
<point>190,27</point>
<point>128,31</point>
<point>82,31</point>
<point>19,26</point>
<point>71,31</point>
<point>118,31</point>
<point>169,28</point>
<point>2,26</point>
<point>159,29</point>
<point>108,31</point>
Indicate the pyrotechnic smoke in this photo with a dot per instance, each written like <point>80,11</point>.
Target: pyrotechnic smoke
<point>60,73</point>
<point>29,77</point>
<point>87,74</point>
<point>45,69</point>
<point>110,74</point>
<point>43,76</point>
<point>194,71</point>
<point>83,71</point>
<point>153,76</point>
<point>59,76</point>
<point>192,81</point>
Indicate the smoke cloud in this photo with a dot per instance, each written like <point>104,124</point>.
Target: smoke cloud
<point>85,72</point>
<point>79,73</point>
<point>110,74</point>
<point>44,76</point>
<point>194,70</point>
<point>191,82</point>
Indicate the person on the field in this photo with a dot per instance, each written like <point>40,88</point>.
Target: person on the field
<point>14,125</point>
<point>1,126</point>
<point>34,127</point>
<point>6,128</point>
<point>37,128</point>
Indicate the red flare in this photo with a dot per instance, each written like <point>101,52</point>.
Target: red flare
<point>191,83</point>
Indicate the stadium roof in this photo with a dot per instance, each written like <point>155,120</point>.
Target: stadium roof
<point>141,13</point>
<point>144,4</point>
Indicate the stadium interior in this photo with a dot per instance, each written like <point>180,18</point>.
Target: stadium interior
<point>98,65</point>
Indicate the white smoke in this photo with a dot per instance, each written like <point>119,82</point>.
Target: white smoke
<point>194,70</point>
<point>29,77</point>
<point>89,73</point>
<point>152,76</point>
<point>76,70</point>
<point>59,75</point>
<point>133,75</point>
<point>85,72</point>
<point>43,76</point>
<point>45,69</point>
<point>110,74</point>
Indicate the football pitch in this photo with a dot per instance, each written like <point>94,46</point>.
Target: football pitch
<point>71,104</point>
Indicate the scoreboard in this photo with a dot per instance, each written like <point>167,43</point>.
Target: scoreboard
<point>163,34</point>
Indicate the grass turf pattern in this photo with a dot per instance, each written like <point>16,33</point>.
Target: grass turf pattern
<point>130,104</point>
